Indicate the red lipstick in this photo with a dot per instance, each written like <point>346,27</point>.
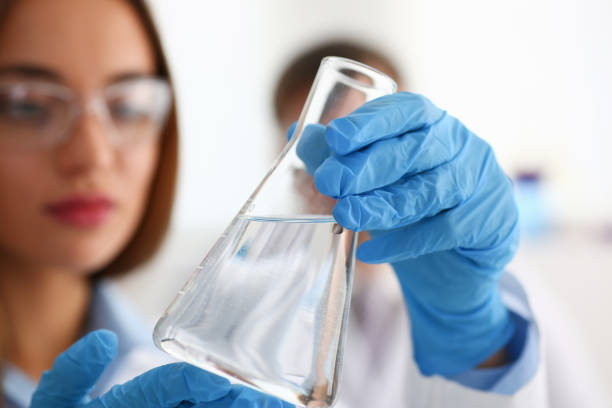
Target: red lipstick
<point>81,211</point>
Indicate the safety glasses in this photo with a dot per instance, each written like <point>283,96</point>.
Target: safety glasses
<point>41,115</point>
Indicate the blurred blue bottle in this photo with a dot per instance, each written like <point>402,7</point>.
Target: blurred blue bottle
<point>534,207</point>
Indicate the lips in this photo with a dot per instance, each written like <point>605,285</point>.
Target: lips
<point>81,211</point>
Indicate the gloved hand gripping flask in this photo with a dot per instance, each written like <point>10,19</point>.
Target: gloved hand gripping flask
<point>268,305</point>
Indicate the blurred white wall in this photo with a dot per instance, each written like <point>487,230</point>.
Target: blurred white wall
<point>533,78</point>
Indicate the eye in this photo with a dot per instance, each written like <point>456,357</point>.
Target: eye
<point>23,110</point>
<point>122,111</point>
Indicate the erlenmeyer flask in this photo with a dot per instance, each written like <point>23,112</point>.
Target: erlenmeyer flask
<point>268,305</point>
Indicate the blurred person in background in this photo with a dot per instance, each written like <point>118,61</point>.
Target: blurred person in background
<point>88,156</point>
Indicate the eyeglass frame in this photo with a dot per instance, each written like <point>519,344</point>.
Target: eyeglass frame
<point>95,103</point>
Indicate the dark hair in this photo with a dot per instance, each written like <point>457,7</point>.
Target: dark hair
<point>300,72</point>
<point>4,7</point>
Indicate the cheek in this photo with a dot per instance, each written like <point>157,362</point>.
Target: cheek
<point>135,176</point>
<point>23,184</point>
<point>132,184</point>
<point>27,184</point>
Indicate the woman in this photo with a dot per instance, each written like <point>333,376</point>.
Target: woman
<point>88,151</point>
<point>87,163</point>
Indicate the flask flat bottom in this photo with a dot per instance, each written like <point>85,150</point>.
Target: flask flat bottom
<point>216,365</point>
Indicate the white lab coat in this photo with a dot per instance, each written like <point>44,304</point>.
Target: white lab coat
<point>391,378</point>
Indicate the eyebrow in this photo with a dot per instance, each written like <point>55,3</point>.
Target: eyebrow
<point>31,71</point>
<point>40,72</point>
<point>126,76</point>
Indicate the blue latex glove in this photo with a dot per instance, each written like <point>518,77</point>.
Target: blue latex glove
<point>439,209</point>
<point>76,371</point>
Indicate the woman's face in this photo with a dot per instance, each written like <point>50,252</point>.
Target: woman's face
<point>75,204</point>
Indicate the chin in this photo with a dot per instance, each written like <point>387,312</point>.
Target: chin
<point>84,256</point>
<point>85,262</point>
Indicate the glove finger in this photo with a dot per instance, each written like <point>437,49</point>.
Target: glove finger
<point>382,118</point>
<point>387,161</point>
<point>245,397</point>
<point>408,200</point>
<point>312,148</point>
<point>489,242</point>
<point>426,236</point>
<point>76,371</point>
<point>166,386</point>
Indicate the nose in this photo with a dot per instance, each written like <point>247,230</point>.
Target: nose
<point>87,147</point>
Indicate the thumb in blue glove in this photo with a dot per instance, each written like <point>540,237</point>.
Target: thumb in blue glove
<point>76,371</point>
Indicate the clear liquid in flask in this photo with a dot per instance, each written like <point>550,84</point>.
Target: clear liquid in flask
<point>267,307</point>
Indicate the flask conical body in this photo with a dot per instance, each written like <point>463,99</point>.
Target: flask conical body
<point>268,305</point>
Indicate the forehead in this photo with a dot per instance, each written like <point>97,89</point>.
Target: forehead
<point>85,41</point>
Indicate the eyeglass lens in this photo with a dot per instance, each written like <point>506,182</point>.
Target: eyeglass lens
<point>39,114</point>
